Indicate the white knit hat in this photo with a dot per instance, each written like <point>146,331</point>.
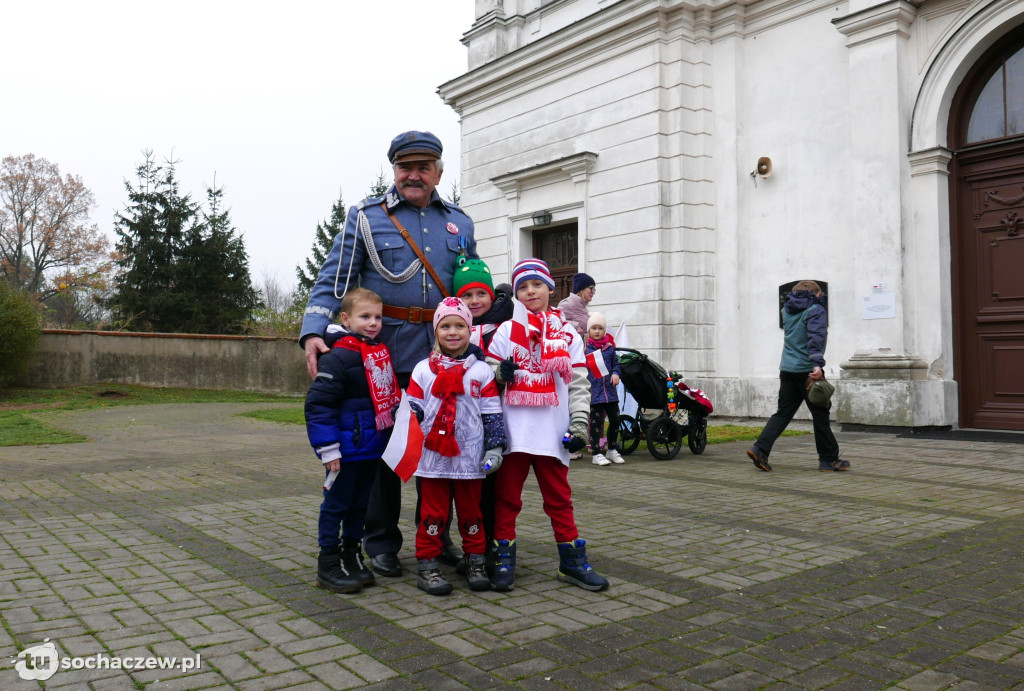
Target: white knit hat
<point>596,318</point>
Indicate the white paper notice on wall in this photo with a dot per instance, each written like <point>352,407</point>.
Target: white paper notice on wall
<point>880,306</point>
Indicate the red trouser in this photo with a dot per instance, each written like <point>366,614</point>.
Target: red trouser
<point>435,501</point>
<point>553,480</point>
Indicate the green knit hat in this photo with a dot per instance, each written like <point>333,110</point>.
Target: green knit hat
<point>473,274</point>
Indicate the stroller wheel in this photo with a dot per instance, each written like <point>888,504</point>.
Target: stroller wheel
<point>698,437</point>
<point>664,438</point>
<point>629,434</point>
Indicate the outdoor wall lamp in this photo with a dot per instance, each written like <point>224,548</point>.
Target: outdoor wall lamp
<point>541,218</point>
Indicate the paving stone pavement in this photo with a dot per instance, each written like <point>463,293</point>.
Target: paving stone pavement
<point>184,530</point>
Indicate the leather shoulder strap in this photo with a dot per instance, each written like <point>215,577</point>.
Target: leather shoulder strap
<point>416,249</point>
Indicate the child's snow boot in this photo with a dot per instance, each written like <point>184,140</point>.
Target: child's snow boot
<point>476,572</point>
<point>503,575</point>
<point>331,574</point>
<point>431,580</point>
<point>352,559</point>
<point>573,567</point>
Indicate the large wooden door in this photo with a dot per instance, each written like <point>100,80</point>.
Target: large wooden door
<point>987,194</point>
<point>559,247</point>
<point>990,289</point>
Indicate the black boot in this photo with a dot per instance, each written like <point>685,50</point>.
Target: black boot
<point>431,579</point>
<point>453,556</point>
<point>503,573</point>
<point>573,567</point>
<point>352,559</point>
<point>332,575</point>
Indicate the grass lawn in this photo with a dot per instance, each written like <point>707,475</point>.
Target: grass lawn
<point>24,411</point>
<point>720,434</point>
<point>20,429</point>
<point>294,416</point>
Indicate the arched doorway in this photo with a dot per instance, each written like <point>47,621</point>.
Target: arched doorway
<point>986,136</point>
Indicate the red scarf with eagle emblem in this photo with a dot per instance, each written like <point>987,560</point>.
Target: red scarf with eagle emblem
<point>380,377</point>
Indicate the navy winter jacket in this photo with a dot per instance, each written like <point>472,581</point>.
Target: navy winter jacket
<point>601,389</point>
<point>339,409</point>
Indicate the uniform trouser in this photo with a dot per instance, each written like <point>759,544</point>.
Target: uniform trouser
<point>436,495</point>
<point>598,411</point>
<point>344,506</point>
<point>383,535</point>
<point>553,480</point>
<point>793,392</point>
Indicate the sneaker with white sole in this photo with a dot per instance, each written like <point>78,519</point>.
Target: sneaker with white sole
<point>599,459</point>
<point>576,456</point>
<point>614,457</point>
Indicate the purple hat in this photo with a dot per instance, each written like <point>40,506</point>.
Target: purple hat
<point>581,282</point>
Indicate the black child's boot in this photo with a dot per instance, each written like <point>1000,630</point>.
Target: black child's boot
<point>352,560</point>
<point>332,575</point>
<point>503,571</point>
<point>573,567</point>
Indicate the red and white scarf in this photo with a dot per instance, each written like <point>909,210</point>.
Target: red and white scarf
<point>478,334</point>
<point>380,377</point>
<point>540,348</point>
<point>448,385</point>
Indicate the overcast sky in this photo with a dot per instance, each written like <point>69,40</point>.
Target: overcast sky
<point>289,104</point>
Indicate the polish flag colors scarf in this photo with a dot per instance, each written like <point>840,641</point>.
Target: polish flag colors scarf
<point>380,377</point>
<point>448,385</point>
<point>540,348</point>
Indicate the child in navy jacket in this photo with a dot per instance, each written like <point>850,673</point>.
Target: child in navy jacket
<point>604,400</point>
<point>348,420</point>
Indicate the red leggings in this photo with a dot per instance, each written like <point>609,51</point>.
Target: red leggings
<point>553,480</point>
<point>435,501</point>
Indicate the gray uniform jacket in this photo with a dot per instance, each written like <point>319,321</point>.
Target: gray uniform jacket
<point>391,269</point>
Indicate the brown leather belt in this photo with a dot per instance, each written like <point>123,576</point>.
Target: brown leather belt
<point>413,315</point>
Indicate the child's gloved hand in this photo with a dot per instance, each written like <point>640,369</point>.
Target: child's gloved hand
<point>491,461</point>
<point>577,435</point>
<point>417,411</point>
<point>507,370</point>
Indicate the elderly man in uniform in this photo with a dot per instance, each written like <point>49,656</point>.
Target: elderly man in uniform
<point>373,252</point>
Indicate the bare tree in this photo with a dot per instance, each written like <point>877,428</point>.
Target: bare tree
<point>280,315</point>
<point>46,240</point>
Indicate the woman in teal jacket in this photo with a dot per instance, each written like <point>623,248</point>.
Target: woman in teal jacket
<point>805,323</point>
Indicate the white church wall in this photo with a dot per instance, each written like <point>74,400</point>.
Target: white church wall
<point>677,105</point>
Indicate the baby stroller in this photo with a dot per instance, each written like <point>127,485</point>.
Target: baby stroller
<point>668,409</point>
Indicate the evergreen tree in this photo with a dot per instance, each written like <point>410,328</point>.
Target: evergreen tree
<point>322,243</point>
<point>183,269</point>
<point>213,270</point>
<point>151,231</point>
<point>379,187</point>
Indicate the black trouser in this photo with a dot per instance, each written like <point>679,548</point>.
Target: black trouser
<point>597,415</point>
<point>793,392</point>
<point>383,536</point>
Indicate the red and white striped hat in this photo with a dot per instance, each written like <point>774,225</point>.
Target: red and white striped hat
<point>529,269</point>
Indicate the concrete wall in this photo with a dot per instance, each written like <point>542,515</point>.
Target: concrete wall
<point>68,358</point>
